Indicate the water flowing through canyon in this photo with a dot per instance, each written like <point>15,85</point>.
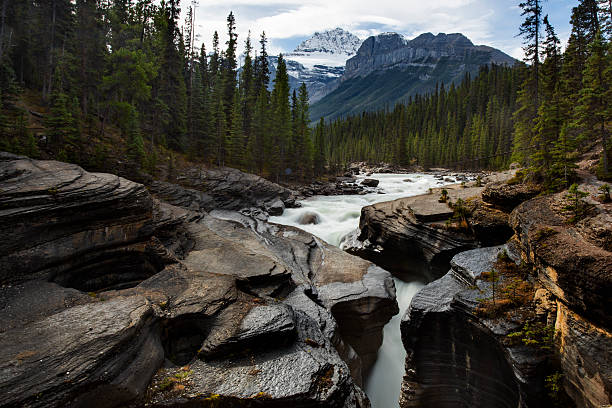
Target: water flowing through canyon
<point>332,218</point>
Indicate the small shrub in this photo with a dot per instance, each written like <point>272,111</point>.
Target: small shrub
<point>576,205</point>
<point>554,384</point>
<point>605,193</point>
<point>544,233</point>
<point>535,334</point>
<point>443,196</point>
<point>518,178</point>
<point>175,382</point>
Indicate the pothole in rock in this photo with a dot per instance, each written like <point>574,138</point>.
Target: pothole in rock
<point>277,287</point>
<point>110,271</point>
<point>182,338</point>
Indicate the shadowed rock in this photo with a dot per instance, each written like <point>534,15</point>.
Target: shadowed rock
<point>104,285</point>
<point>409,236</point>
<point>309,218</point>
<point>450,348</point>
<point>574,264</point>
<point>506,196</point>
<point>370,182</point>
<point>224,188</point>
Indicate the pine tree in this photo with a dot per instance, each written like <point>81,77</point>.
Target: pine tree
<point>229,66</point>
<point>61,127</point>
<point>262,69</point>
<point>550,120</point>
<point>530,31</point>
<point>280,143</point>
<point>319,149</point>
<point>218,123</point>
<point>236,141</point>
<point>248,92</point>
<point>258,144</point>
<point>593,109</point>
<point>171,84</point>
<point>585,24</point>
<point>303,142</point>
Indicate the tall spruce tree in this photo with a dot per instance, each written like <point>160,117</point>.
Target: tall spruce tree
<point>550,120</point>
<point>593,110</point>
<point>529,95</point>
<point>171,89</point>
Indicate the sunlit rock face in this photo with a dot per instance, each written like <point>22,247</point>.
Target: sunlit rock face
<point>574,264</point>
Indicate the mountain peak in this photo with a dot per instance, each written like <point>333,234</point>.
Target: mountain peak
<point>442,39</point>
<point>336,41</point>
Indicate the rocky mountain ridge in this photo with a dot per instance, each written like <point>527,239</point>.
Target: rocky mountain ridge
<point>388,69</point>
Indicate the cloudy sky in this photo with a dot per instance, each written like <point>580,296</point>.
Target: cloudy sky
<point>288,22</point>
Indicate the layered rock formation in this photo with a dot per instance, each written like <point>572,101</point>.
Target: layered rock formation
<point>224,188</point>
<point>458,356</point>
<point>111,297</point>
<point>574,264</point>
<point>409,236</point>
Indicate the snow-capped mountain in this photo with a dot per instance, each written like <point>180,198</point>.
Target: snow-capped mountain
<point>319,61</point>
<point>330,48</point>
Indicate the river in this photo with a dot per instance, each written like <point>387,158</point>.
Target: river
<point>338,216</point>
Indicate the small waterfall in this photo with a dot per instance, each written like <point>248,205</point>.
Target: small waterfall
<point>384,382</point>
<point>337,216</point>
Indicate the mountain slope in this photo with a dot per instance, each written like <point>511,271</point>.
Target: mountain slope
<point>319,61</point>
<point>388,69</point>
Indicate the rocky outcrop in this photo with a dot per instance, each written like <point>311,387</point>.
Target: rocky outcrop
<point>409,236</point>
<point>62,224</point>
<point>455,357</point>
<point>459,353</point>
<point>392,51</point>
<point>370,182</point>
<point>507,196</point>
<point>224,188</point>
<point>342,186</point>
<point>112,298</point>
<point>575,267</point>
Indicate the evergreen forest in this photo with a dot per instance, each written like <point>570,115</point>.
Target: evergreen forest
<point>128,73</point>
<point>125,79</point>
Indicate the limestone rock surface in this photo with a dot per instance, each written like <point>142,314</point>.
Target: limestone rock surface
<point>111,297</point>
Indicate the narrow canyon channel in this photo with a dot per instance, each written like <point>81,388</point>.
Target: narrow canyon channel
<point>337,216</point>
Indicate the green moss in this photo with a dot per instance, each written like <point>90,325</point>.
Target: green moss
<point>544,233</point>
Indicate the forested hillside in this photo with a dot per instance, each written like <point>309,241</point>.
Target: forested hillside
<point>542,114</point>
<point>104,83</point>
<point>125,78</point>
<point>469,125</point>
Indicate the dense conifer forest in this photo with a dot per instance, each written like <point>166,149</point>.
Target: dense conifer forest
<point>468,125</point>
<point>132,67</point>
<point>125,78</point>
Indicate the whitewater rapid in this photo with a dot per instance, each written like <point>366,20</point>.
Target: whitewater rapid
<point>337,217</point>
